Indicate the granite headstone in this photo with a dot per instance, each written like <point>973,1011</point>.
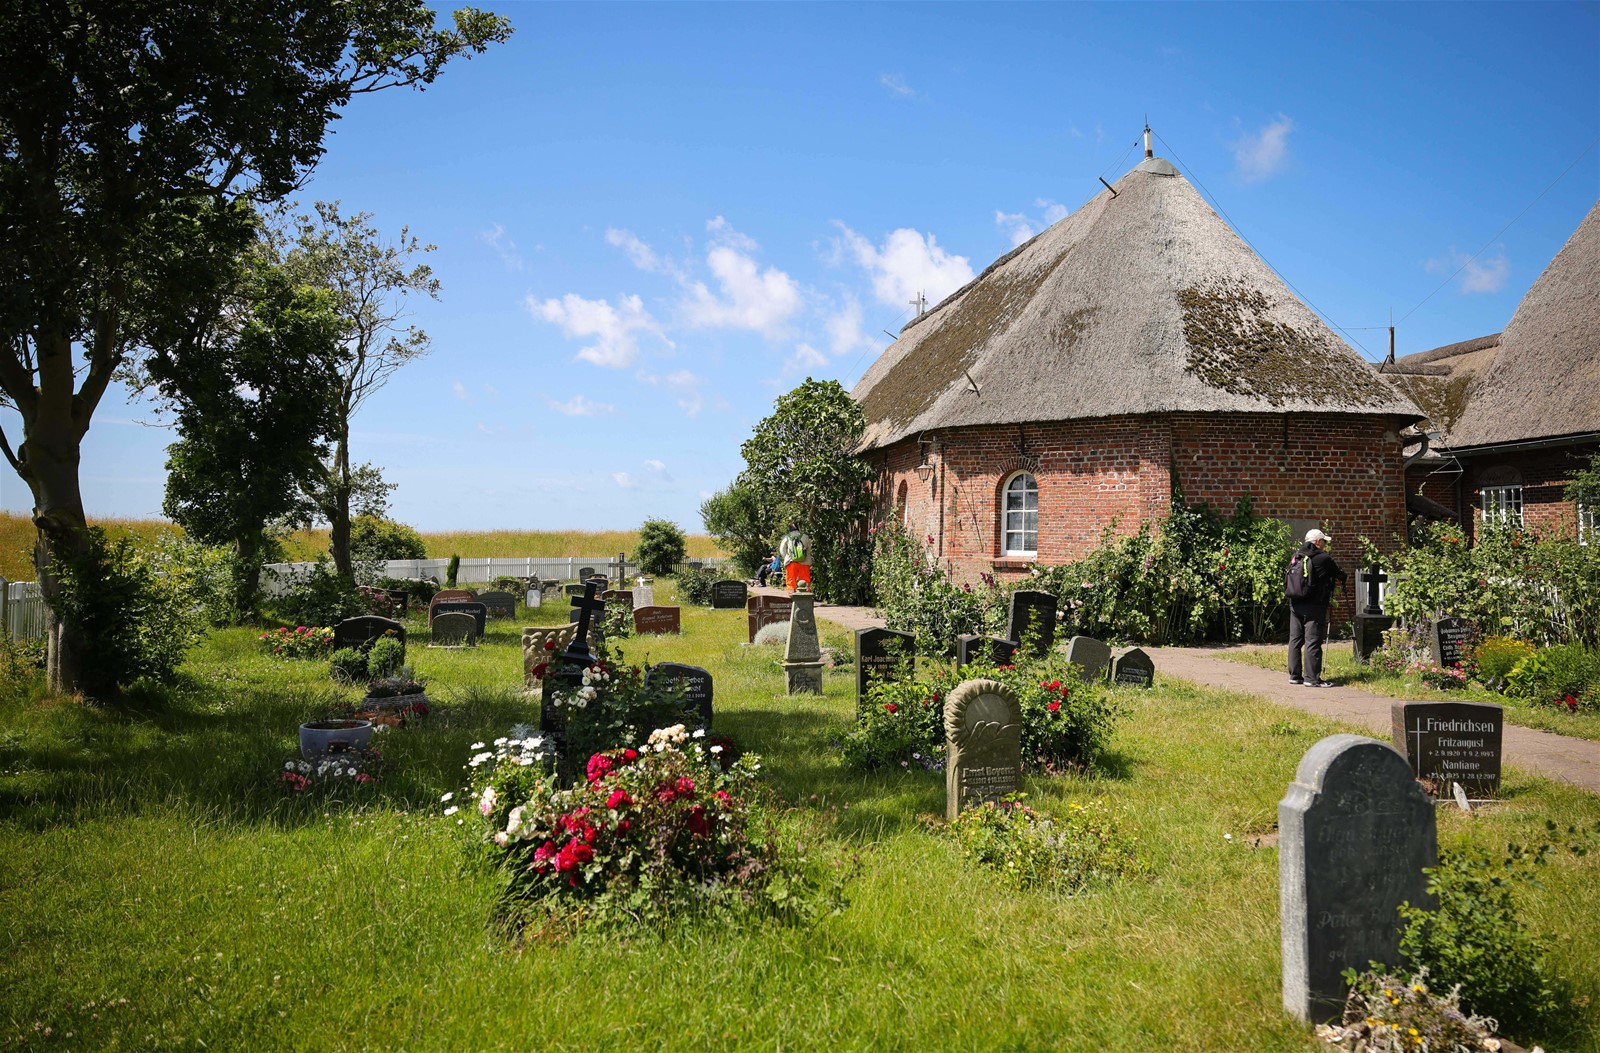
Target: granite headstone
<point>500,604</point>
<point>879,653</point>
<point>1451,742</point>
<point>453,629</point>
<point>764,610</point>
<point>360,632</point>
<point>728,594</point>
<point>657,621</point>
<point>1091,656</point>
<point>479,612</point>
<point>1032,617</point>
<point>983,745</point>
<point>1450,638</point>
<point>1133,666</point>
<point>697,686</point>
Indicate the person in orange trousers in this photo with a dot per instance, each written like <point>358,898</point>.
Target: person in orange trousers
<point>792,551</point>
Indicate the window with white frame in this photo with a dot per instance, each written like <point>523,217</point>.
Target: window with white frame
<point>1588,525</point>
<point>1502,504</point>
<point>1019,518</point>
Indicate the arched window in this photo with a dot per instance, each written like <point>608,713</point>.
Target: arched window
<point>903,500</point>
<point>1019,516</point>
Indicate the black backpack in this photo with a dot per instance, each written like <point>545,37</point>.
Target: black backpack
<point>1299,583</point>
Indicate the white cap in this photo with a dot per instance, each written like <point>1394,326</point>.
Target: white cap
<point>1313,536</point>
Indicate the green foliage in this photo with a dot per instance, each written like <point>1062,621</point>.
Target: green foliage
<point>1583,489</point>
<point>1193,576</point>
<point>419,590</point>
<point>451,570</point>
<point>321,598</point>
<point>901,726</point>
<point>1475,939</point>
<point>801,465</point>
<point>614,706</point>
<point>1059,853</point>
<point>1556,673</point>
<point>744,525</point>
<point>1496,656</point>
<point>137,608</point>
<point>915,596</point>
<point>694,586</point>
<point>385,657</point>
<point>348,665</point>
<point>662,546</point>
<point>1386,1014</point>
<point>374,538</point>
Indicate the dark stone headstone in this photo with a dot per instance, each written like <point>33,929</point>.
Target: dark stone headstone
<point>453,629</point>
<point>657,621</point>
<point>597,628</point>
<point>601,582</point>
<point>573,588</point>
<point>622,596</point>
<point>728,593</point>
<point>1354,833</point>
<point>1091,656</point>
<point>1451,742</point>
<point>1133,666</point>
<point>696,683</point>
<point>972,648</point>
<point>479,612</point>
<point>565,678</point>
<point>879,652</point>
<point>1450,638</point>
<point>500,604</point>
<point>399,600</point>
<point>584,573</point>
<point>1368,635</point>
<point>1033,617</point>
<point>360,632</point>
<point>983,745</point>
<point>764,610</point>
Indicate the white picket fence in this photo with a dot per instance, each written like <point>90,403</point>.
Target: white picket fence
<point>22,610</point>
<point>278,578</point>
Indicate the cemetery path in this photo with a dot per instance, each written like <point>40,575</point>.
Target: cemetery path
<point>849,617</point>
<point>1575,761</point>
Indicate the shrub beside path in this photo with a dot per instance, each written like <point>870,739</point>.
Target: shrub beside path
<point>1570,760</point>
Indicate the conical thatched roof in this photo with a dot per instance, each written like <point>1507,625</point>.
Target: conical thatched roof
<point>1545,379</point>
<point>1146,302</point>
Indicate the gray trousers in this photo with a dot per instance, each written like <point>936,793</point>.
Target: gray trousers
<point>1308,627</point>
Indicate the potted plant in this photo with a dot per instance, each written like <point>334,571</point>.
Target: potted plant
<point>394,693</point>
<point>323,738</point>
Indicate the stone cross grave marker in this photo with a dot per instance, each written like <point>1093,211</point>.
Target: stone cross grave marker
<point>1033,616</point>
<point>657,621</point>
<point>728,594</point>
<point>479,612</point>
<point>644,594</point>
<point>597,628</point>
<point>765,610</point>
<point>972,648</point>
<point>983,745</point>
<point>1091,656</point>
<point>802,655</point>
<point>697,686</point>
<point>1451,742</point>
<point>1450,638</point>
<point>500,604</point>
<point>878,653</point>
<point>1354,832</point>
<point>361,632</point>
<point>453,629</point>
<point>566,671</point>
<point>1132,666</point>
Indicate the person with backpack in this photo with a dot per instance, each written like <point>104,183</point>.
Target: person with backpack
<point>792,551</point>
<point>1308,586</point>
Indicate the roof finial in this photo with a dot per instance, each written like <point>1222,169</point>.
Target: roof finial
<point>921,304</point>
<point>1148,153</point>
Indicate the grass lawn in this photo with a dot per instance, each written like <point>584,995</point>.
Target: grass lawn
<point>160,894</point>
<point>1339,665</point>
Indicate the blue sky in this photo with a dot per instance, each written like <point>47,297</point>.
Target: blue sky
<point>653,219</point>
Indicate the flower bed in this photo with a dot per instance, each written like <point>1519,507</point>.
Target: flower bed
<point>300,642</point>
<point>353,768</point>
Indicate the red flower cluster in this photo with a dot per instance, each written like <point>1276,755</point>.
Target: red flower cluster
<point>599,767</point>
<point>890,707</point>
<point>618,799</point>
<point>1571,704</point>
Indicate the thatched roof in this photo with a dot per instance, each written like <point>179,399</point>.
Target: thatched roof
<point>1441,381</point>
<point>1142,302</point>
<point>1545,379</point>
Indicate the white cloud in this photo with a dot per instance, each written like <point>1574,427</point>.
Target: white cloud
<point>497,238</point>
<point>642,255</point>
<point>907,263</point>
<point>747,297</point>
<point>460,391</point>
<point>722,233</point>
<point>844,328</point>
<point>580,406</point>
<point>1485,274</point>
<point>1021,226</point>
<point>807,357</point>
<point>624,480</point>
<point>613,328</point>
<point>655,465</point>
<point>896,83</point>
<point>1263,154</point>
<point>685,386</point>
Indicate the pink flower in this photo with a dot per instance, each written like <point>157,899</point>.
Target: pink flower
<point>685,788</point>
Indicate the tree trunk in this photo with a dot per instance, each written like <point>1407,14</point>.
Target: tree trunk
<point>247,577</point>
<point>50,461</point>
<point>339,513</point>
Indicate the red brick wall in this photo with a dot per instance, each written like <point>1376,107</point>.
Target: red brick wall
<point>1342,472</point>
<point>1542,474</point>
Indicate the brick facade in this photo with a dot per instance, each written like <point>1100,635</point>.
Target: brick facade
<point>1341,472</point>
<point>1542,475</point>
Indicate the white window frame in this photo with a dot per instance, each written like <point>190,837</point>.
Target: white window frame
<point>1502,504</point>
<point>1024,514</point>
<point>1588,525</point>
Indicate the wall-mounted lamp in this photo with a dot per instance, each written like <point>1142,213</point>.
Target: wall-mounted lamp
<point>924,471</point>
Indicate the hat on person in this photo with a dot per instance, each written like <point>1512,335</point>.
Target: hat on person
<point>1313,536</point>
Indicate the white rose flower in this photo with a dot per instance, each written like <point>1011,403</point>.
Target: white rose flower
<point>448,796</point>
<point>478,745</point>
<point>716,749</point>
<point>699,733</point>
<point>452,810</point>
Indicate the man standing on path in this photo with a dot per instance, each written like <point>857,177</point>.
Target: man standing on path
<point>1308,616</point>
<point>792,551</point>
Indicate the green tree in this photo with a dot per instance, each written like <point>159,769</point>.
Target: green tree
<point>370,282</point>
<point>802,463</point>
<point>661,546</point>
<point>376,538</point>
<point>128,129</point>
<point>743,525</point>
<point>254,413</point>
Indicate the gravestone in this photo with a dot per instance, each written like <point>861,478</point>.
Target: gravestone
<point>727,594</point>
<point>1091,656</point>
<point>585,573</point>
<point>399,600</point>
<point>624,596</point>
<point>601,582</point>
<point>1033,614</point>
<point>597,627</point>
<point>644,595</point>
<point>1132,666</point>
<point>539,646</point>
<point>360,632</point>
<point>764,610</point>
<point>802,655</point>
<point>697,686</point>
<point>453,629</point>
<point>1368,634</point>
<point>499,604</point>
<point>455,594</point>
<point>657,621</point>
<point>566,669</point>
<point>1450,638</point>
<point>535,598</point>
<point>1354,832</point>
<point>1451,742</point>
<point>878,653</point>
<point>479,612</point>
<point>573,588</point>
<point>983,745</point>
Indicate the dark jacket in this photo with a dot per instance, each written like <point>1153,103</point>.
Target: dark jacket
<point>1325,574</point>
